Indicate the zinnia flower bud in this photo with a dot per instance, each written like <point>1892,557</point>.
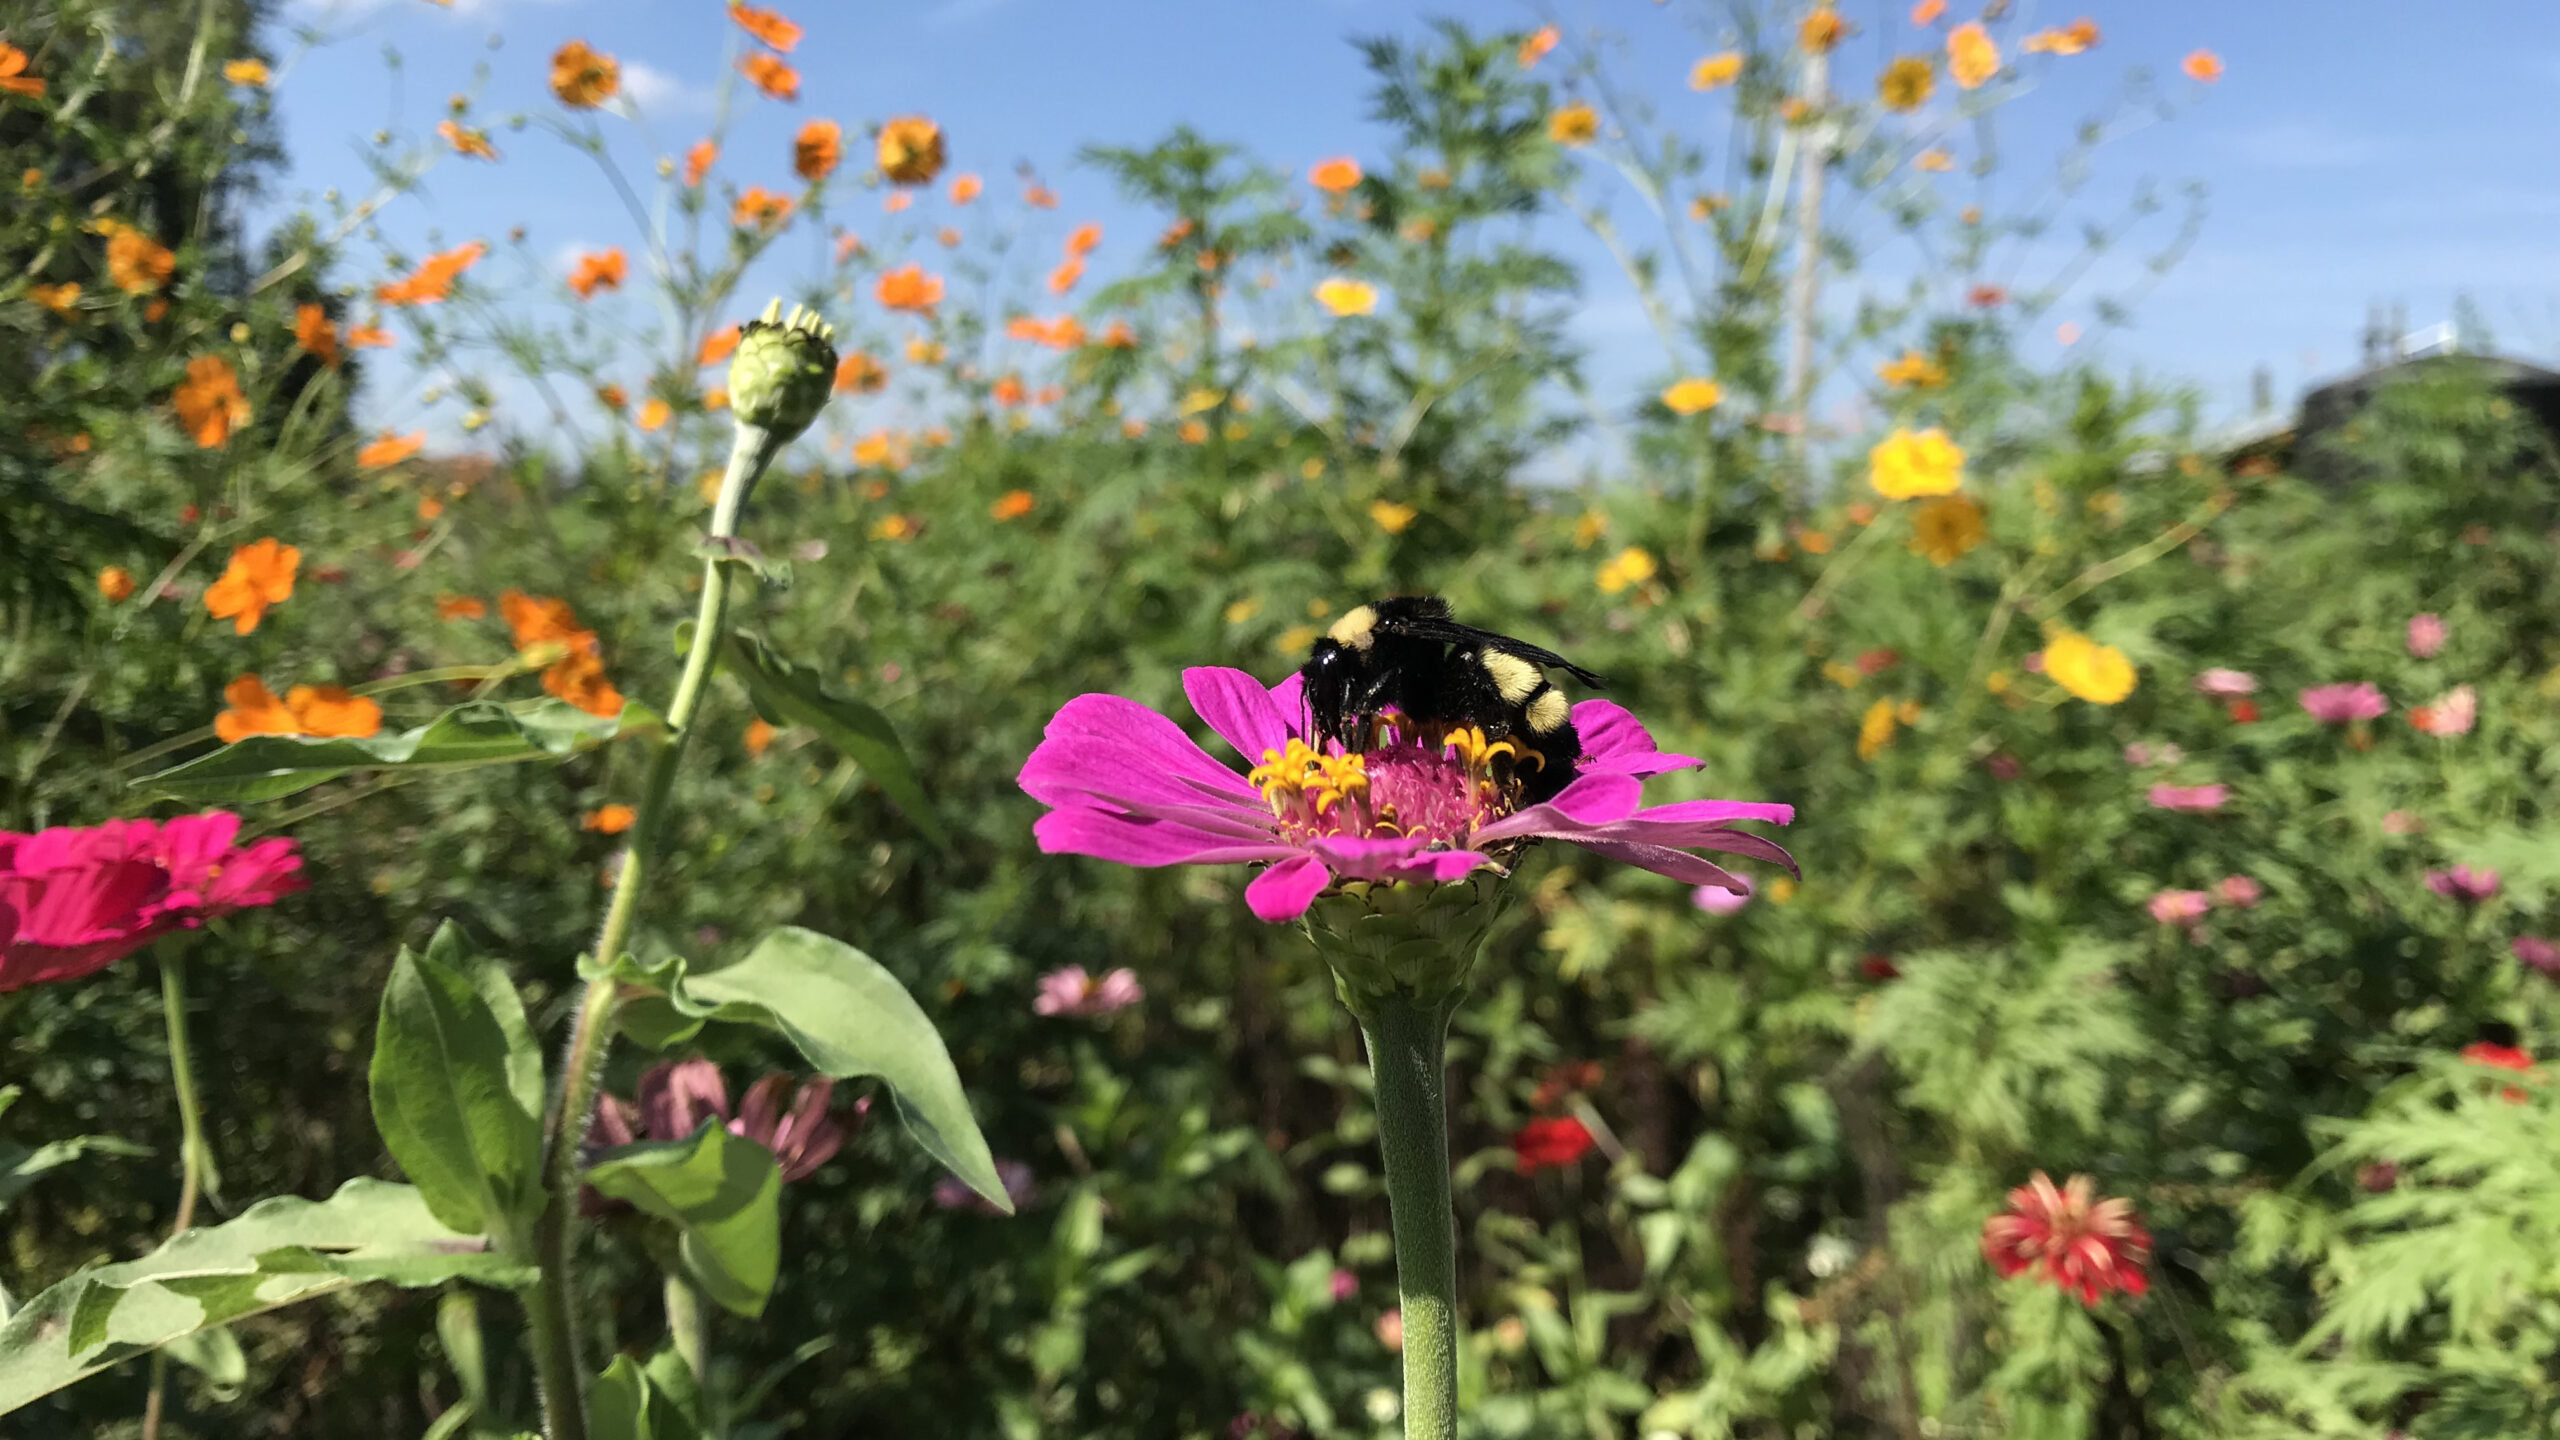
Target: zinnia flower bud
<point>783,371</point>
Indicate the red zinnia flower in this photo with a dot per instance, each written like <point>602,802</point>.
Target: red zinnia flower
<point>2082,1244</point>
<point>1554,1142</point>
<point>74,901</point>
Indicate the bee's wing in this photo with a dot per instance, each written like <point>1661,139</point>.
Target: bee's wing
<point>1452,632</point>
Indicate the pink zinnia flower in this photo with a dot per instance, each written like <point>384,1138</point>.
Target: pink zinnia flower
<point>1073,992</point>
<point>1343,1285</point>
<point>2426,635</point>
<point>2469,884</point>
<point>1423,803</point>
<point>2224,684</point>
<point>2081,1245</point>
<point>2338,704</point>
<point>1716,900</point>
<point>76,900</point>
<point>2537,953</point>
<point>678,1097</point>
<point>2450,714</point>
<point>2180,907</point>
<point>2194,799</point>
<point>2239,892</point>
<point>953,1193</point>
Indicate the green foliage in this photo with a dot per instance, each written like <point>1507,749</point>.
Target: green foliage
<point>719,1192</point>
<point>270,767</point>
<point>457,1090</point>
<point>788,693</point>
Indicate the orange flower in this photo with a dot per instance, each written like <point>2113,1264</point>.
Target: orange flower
<point>2072,39</point>
<point>1575,124</point>
<point>599,270</point>
<point>965,188</point>
<point>116,583</point>
<point>609,819</point>
<point>1972,58</point>
<point>313,332</point>
<point>613,397</point>
<point>582,77</point>
<point>758,208</point>
<point>1039,196</point>
<point>697,161</point>
<point>817,149</point>
<point>1175,233</point>
<point>654,413</point>
<point>860,374</point>
<point>390,449</point>
<point>369,337</point>
<point>715,398</point>
<point>922,351</point>
<point>1119,335</point>
<point>13,76</point>
<point>1928,11</point>
<point>1536,48</point>
<point>909,288</point>
<point>1935,162</point>
<point>254,711</point>
<point>1335,176</point>
<point>429,507</point>
<point>1064,278</point>
<point>209,402</point>
<point>1821,31</point>
<point>910,150</point>
<point>60,299</point>
<point>537,619</point>
<point>2203,66</point>
<point>138,263</point>
<point>766,26</point>
<point>848,245</point>
<point>579,679</point>
<point>460,607</point>
<point>333,712</point>
<point>260,575</point>
<point>1013,506</point>
<point>717,346</point>
<point>469,143</point>
<point>1008,392</point>
<point>433,279</point>
<point>771,76</point>
<point>949,237</point>
<point>897,201</point>
<point>251,72</point>
<point>547,630</point>
<point>1086,236</point>
<point>1064,333</point>
<point>759,737</point>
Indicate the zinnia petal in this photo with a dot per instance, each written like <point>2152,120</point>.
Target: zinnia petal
<point>1239,708</point>
<point>1614,739</point>
<point>1109,744</point>
<point>1137,840</point>
<point>1680,865</point>
<point>1284,891</point>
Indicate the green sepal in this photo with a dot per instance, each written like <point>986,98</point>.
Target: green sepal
<point>1413,939</point>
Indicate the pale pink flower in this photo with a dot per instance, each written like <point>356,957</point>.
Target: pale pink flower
<point>1344,1285</point>
<point>2426,635</point>
<point>2537,953</point>
<point>2402,822</point>
<point>1073,992</point>
<point>2470,884</point>
<point>2450,714</point>
<point>1716,900</point>
<point>2341,703</point>
<point>2193,799</point>
<point>2238,891</point>
<point>2224,684</point>
<point>2180,907</point>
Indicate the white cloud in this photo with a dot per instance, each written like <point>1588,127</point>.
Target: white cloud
<point>654,92</point>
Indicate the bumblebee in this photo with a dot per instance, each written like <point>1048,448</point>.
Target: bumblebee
<point>1406,654</point>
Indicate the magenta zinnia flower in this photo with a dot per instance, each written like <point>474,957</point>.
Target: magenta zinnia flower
<point>76,900</point>
<point>2194,799</point>
<point>2338,704</point>
<point>1073,992</point>
<point>2469,884</point>
<point>1421,803</point>
<point>2536,952</point>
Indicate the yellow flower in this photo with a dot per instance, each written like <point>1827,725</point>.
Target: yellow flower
<point>1821,31</point>
<point>1689,396</point>
<point>1934,162</point>
<point>1915,370</point>
<point>893,527</point>
<point>1347,297</point>
<point>1875,730</point>
<point>1716,71</point>
<point>1780,890</point>
<point>1295,640</point>
<point>1972,57</point>
<point>1587,530</point>
<point>1201,400</point>
<point>1391,517</point>
<point>252,73</point>
<point>1906,83</point>
<point>1575,124</point>
<point>1944,530</point>
<point>61,299</point>
<point>1842,674</point>
<point>1628,568</point>
<point>1907,464</point>
<point>2099,674</point>
<point>1239,611</point>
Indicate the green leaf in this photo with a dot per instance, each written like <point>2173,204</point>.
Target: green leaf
<point>789,693</point>
<point>277,1252</point>
<point>214,1354</point>
<point>481,732</point>
<point>630,1403</point>
<point>457,1089</point>
<point>722,1193</point>
<point>850,1017</point>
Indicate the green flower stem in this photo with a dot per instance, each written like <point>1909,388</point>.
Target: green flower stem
<point>1407,1057</point>
<point>689,1331</point>
<point>555,1318</point>
<point>195,1162</point>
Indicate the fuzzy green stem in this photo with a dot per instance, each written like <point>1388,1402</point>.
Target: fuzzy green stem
<point>689,1329</point>
<point>195,1162</point>
<point>1407,1043</point>
<point>556,1317</point>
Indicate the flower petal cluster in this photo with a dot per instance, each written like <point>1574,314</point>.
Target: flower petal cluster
<point>1127,784</point>
<point>1551,1142</point>
<point>2076,1242</point>
<point>76,900</point>
<point>780,1112</point>
<point>2343,703</point>
<point>1071,991</point>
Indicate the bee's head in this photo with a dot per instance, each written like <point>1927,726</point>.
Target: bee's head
<point>1332,675</point>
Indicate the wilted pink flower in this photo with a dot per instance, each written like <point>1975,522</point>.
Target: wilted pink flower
<point>2238,891</point>
<point>76,900</point>
<point>2079,1243</point>
<point>2338,704</point>
<point>2180,907</point>
<point>2426,635</point>
<point>952,1193</point>
<point>678,1097</point>
<point>790,1119</point>
<point>2224,684</point>
<point>2469,884</point>
<point>2450,714</point>
<point>1716,900</point>
<point>1072,992</point>
<point>2537,953</point>
<point>2003,765</point>
<point>1344,1285</point>
<point>2194,799</point>
<point>1429,803</point>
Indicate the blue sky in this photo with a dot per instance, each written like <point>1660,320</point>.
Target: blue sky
<point>2353,153</point>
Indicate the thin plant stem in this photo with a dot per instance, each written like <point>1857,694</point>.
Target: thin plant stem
<point>195,1166</point>
<point>556,1314</point>
<point>1407,1059</point>
<point>689,1331</point>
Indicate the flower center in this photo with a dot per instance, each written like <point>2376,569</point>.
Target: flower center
<point>1437,782</point>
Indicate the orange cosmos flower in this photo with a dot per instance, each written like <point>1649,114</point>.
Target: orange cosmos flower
<point>1335,176</point>
<point>1575,124</point>
<point>717,346</point>
<point>759,737</point>
<point>1821,31</point>
<point>390,449</point>
<point>697,161</point>
<point>1064,278</point>
<point>580,680</point>
<point>1013,506</point>
<point>771,76</point>
<point>1716,71</point>
<point>468,143</point>
<point>369,337</point>
<point>910,151</point>
<point>759,208</point>
<point>539,619</point>
<point>209,402</point>
<point>613,398</point>
<point>251,72</point>
<point>1086,236</point>
<point>949,237</point>
<point>817,149</point>
<point>599,270</point>
<point>860,374</point>
<point>1536,48</point>
<point>848,245</point>
<point>584,78</point>
<point>259,576</point>
<point>116,583</point>
<point>313,332</point>
<point>1039,196</point>
<point>965,188</point>
<point>1928,11</point>
<point>433,279</point>
<point>909,288</point>
<point>715,398</point>
<point>137,263</point>
<point>609,819</point>
<point>923,351</point>
<point>1906,83</point>
<point>1119,336</point>
<point>254,711</point>
<point>1008,391</point>
<point>1972,58</point>
<point>766,26</point>
<point>1175,233</point>
<point>2072,39</point>
<point>332,711</point>
<point>896,202</point>
<point>60,299</point>
<point>655,413</point>
<point>460,607</point>
<point>13,76</point>
<point>2203,66</point>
